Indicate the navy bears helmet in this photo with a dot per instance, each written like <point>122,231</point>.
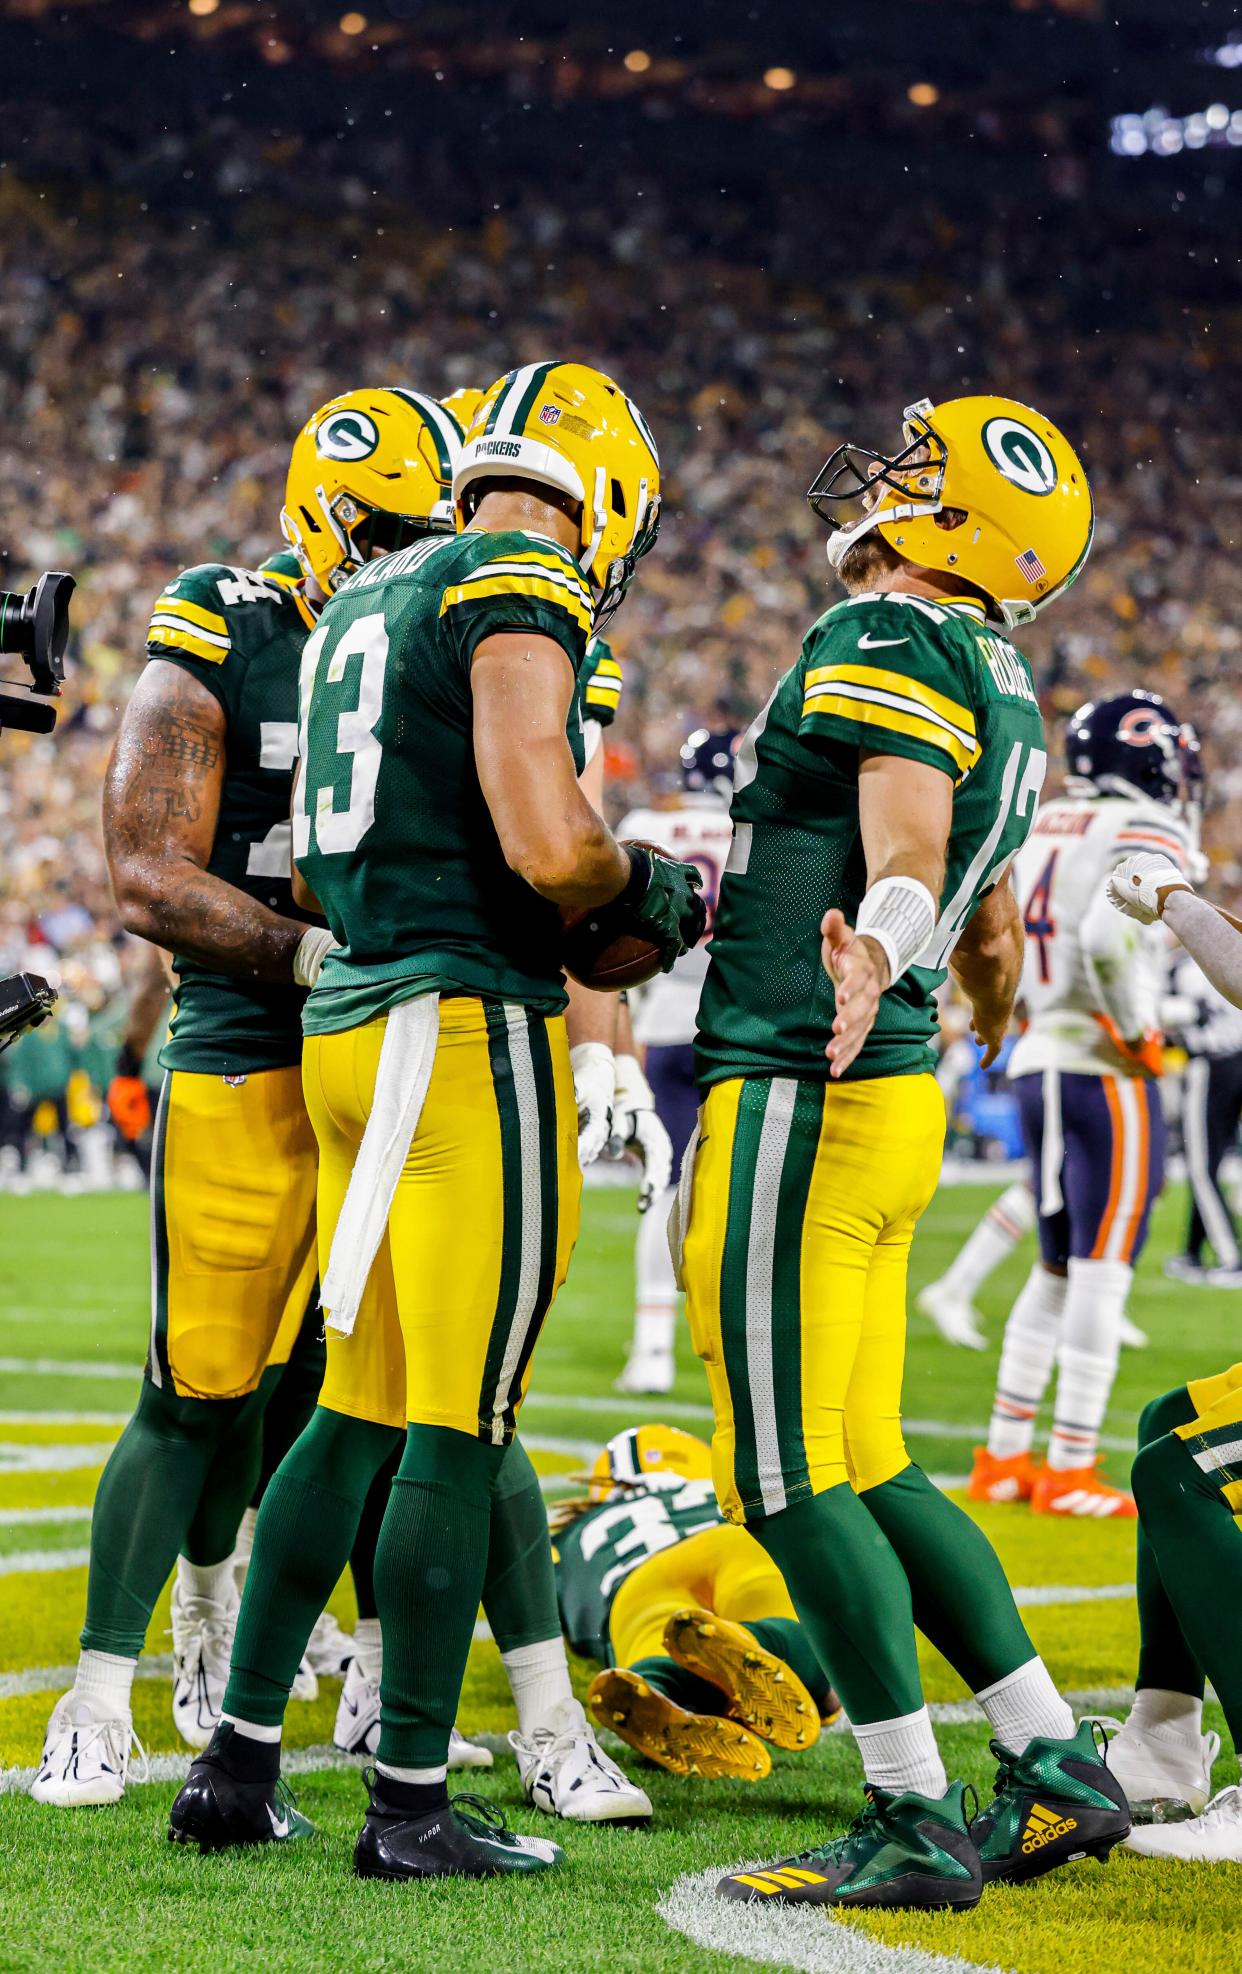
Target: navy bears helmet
<point>1134,744</point>
<point>707,761</point>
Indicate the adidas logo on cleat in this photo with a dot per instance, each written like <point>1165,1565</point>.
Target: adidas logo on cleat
<point>785,1878</point>
<point>1043,1827</point>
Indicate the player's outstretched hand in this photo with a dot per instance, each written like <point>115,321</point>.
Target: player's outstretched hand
<point>1140,885</point>
<point>858,970</point>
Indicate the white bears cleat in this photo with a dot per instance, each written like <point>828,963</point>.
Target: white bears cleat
<point>202,1635</point>
<point>566,1773</point>
<point>86,1753</point>
<point>953,1315</point>
<point>1132,1338</point>
<point>328,1649</point>
<point>648,1372</point>
<point>1213,1838</point>
<point>357,1714</point>
<point>1167,1777</point>
<point>468,1754</point>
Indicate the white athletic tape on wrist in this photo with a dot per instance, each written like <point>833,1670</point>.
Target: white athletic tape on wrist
<point>899,913</point>
<point>311,951</point>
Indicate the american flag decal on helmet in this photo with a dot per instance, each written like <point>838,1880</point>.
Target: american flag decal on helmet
<point>1030,565</point>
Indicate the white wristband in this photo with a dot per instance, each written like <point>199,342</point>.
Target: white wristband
<point>899,913</point>
<point>312,950</point>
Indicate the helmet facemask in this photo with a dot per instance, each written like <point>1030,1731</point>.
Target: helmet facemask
<point>856,488</point>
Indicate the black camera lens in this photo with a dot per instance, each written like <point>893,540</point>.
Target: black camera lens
<point>35,625</point>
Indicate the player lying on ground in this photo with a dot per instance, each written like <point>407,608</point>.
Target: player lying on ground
<point>196,825</point>
<point>704,1658</point>
<point>879,799</point>
<point>437,1072</point>
<point>1085,1072</point>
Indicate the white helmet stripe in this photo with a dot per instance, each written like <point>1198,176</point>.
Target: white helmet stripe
<point>644,428</point>
<point>512,397</point>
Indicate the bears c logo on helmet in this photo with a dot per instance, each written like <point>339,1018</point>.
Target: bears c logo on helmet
<point>347,435</point>
<point>1020,455</point>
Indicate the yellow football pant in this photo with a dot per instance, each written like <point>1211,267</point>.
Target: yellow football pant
<point>482,1225</point>
<point>232,1229</point>
<point>720,1569</point>
<point>804,1200</point>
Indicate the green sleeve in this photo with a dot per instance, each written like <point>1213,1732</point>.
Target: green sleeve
<point>600,681</point>
<point>893,677</point>
<point>193,627</point>
<point>524,583</point>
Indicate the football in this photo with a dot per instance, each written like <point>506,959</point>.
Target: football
<point>601,951</point>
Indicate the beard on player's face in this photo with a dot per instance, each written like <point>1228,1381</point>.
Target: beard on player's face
<point>865,561</point>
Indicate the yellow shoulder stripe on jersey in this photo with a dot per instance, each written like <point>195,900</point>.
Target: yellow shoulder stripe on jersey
<point>193,613</point>
<point>276,576</point>
<point>181,638</point>
<point>540,588</point>
<point>891,700</point>
<point>604,685</point>
<point>555,568</point>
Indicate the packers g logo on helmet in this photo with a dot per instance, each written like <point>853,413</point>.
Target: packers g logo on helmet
<point>983,489</point>
<point>347,435</point>
<point>570,428</point>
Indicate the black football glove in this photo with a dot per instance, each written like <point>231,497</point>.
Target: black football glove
<point>661,900</point>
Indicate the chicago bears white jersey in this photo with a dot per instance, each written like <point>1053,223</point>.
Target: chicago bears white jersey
<point>1084,960</point>
<point>698,831</point>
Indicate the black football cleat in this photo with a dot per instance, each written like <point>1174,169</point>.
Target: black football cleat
<point>465,1838</point>
<point>215,1809</point>
<point>1056,1802</point>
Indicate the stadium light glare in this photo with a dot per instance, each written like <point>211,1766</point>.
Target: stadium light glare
<point>203,6</point>
<point>352,23</point>
<point>1155,132</point>
<point>923,94</point>
<point>638,61</point>
<point>779,78</point>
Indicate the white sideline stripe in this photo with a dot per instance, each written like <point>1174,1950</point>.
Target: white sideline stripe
<point>1072,1593</point>
<point>42,1562</point>
<point>805,1937</point>
<point>27,1458</point>
<point>538,1403</point>
<point>27,1517</point>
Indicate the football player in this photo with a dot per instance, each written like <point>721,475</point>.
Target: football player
<point>698,828</point>
<point>704,1659</point>
<point>1084,1072</point>
<point>879,799</point>
<point>438,728</point>
<point>196,821</point>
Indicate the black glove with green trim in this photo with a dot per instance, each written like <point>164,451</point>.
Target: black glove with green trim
<point>662,900</point>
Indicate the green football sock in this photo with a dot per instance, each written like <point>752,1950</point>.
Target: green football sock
<point>684,1689</point>
<point>302,1540</point>
<point>144,1506</point>
<point>519,1590</point>
<point>229,1482</point>
<point>1165,1659</point>
<point>786,1640</point>
<point>1198,1549</point>
<point>961,1597</point>
<point>362,1555</point>
<point>429,1570</point>
<point>852,1597</point>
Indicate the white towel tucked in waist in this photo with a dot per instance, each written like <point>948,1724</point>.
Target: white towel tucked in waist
<point>406,1058</point>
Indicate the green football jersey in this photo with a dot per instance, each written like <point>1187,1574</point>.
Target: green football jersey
<point>599,683</point>
<point>595,1554</point>
<point>391,829</point>
<point>240,633</point>
<point>894,675</point>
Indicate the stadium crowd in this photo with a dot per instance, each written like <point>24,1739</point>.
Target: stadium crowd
<point>151,391</point>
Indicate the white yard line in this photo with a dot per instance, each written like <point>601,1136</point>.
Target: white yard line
<point>43,1562</point>
<point>67,1367</point>
<point>27,1517</point>
<point>802,1937</point>
<point>32,1418</point>
<point>28,1457</point>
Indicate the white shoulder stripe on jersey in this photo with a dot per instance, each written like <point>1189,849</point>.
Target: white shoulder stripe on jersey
<point>171,623</point>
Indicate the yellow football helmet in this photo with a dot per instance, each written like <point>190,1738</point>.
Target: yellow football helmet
<point>463,404</point>
<point>570,428</point>
<point>1014,507</point>
<point>371,470</point>
<point>660,1455</point>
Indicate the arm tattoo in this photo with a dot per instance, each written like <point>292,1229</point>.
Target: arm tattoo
<point>161,804</point>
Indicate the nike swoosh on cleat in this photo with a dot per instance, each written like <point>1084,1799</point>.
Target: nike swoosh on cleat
<point>868,643</point>
<point>280,1824</point>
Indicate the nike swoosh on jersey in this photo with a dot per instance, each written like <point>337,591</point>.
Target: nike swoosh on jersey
<point>868,643</point>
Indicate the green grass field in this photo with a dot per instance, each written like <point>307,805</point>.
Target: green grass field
<point>100,1889</point>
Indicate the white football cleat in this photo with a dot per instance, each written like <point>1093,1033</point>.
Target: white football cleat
<point>648,1373</point>
<point>86,1752</point>
<point>305,1681</point>
<point>1132,1338</point>
<point>1213,1838</point>
<point>357,1714</point>
<point>202,1638</point>
<point>1167,1777</point>
<point>468,1754</point>
<point>566,1773</point>
<point>328,1649</point>
<point>953,1315</point>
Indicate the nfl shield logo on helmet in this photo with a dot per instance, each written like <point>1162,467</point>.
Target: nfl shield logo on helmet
<point>550,414</point>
